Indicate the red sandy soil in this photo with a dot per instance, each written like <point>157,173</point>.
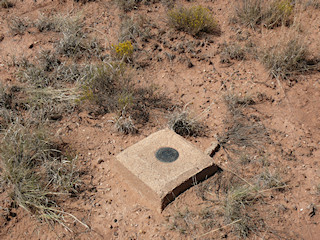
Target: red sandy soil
<point>110,207</point>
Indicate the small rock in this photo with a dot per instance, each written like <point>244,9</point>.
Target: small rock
<point>100,161</point>
<point>1,37</point>
<point>214,147</point>
<point>190,64</point>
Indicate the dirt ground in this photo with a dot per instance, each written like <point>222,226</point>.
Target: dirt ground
<point>289,110</point>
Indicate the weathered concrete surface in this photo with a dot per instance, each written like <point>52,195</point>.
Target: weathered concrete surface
<point>159,182</point>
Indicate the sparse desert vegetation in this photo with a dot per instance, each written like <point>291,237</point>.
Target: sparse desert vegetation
<point>6,4</point>
<point>194,20</point>
<point>80,81</point>
<point>289,57</point>
<point>184,124</point>
<point>270,13</point>
<point>37,171</point>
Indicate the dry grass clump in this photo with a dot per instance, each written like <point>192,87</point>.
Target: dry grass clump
<point>59,23</point>
<point>182,221</point>
<point>50,103</point>
<point>268,180</point>
<point>288,58</point>
<point>194,20</point>
<point>125,125</point>
<point>249,12</point>
<point>244,134</point>
<point>318,189</point>
<point>134,106</point>
<point>133,28</point>
<point>313,3</point>
<point>240,199</point>
<point>84,1</point>
<point>169,4</point>
<point>270,13</point>
<point>229,202</point>
<point>105,83</point>
<point>5,97</point>
<point>48,23</point>
<point>37,171</point>
<point>6,114</point>
<point>242,130</point>
<point>18,25</point>
<point>47,97</point>
<point>236,204</point>
<point>278,13</point>
<point>109,85</point>
<point>76,44</point>
<point>231,51</point>
<point>128,5</point>
<point>10,105</point>
<point>6,4</point>
<point>184,124</point>
<point>49,71</point>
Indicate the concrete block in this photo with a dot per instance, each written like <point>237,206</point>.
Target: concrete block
<point>212,149</point>
<point>162,166</point>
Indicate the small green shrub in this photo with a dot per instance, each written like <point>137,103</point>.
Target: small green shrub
<point>123,51</point>
<point>105,83</point>
<point>194,20</point>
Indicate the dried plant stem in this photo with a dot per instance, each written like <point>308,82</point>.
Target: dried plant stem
<point>215,230</point>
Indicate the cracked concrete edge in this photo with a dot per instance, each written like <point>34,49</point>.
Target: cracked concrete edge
<point>213,148</point>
